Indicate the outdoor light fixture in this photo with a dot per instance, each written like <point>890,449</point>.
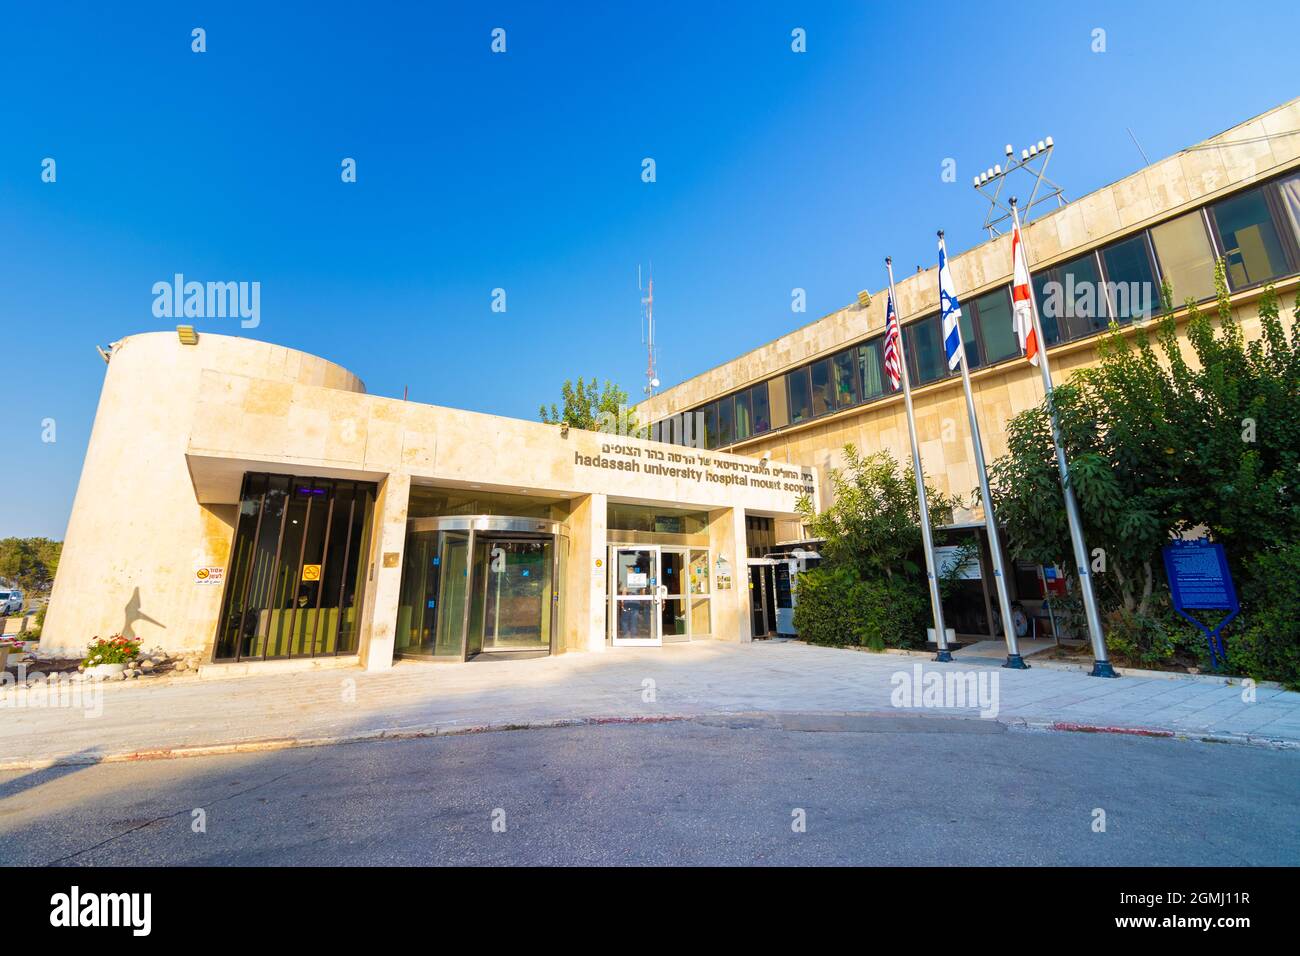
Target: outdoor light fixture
<point>864,299</point>
<point>564,429</point>
<point>187,335</point>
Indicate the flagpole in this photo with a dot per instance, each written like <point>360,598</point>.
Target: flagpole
<point>1101,666</point>
<point>927,538</point>
<point>1014,660</point>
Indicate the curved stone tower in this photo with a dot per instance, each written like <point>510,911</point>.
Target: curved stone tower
<point>130,554</point>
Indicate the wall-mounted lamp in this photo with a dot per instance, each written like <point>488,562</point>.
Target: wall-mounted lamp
<point>187,335</point>
<point>564,429</point>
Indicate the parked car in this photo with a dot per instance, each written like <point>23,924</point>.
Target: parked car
<point>11,602</point>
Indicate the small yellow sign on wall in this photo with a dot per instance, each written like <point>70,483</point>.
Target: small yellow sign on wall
<point>311,572</point>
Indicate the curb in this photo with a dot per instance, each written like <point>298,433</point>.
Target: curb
<point>1208,737</point>
<point>295,743</point>
<point>270,745</point>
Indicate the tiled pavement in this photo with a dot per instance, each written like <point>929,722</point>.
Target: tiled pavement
<point>707,678</point>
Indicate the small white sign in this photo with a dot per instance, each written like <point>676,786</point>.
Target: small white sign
<point>638,579</point>
<point>209,575</point>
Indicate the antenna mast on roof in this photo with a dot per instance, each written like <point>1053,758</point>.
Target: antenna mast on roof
<point>648,329</point>
<point>1033,161</point>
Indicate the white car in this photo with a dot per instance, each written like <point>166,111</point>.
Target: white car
<point>11,602</point>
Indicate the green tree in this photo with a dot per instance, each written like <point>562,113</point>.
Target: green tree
<point>586,405</point>
<point>1165,435</point>
<point>873,524</point>
<point>29,562</point>
<point>870,590</point>
<point>1160,444</point>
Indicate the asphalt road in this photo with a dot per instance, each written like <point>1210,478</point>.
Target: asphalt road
<point>872,790</point>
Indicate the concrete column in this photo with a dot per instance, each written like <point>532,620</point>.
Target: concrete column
<point>731,619</point>
<point>584,614</point>
<point>384,575</point>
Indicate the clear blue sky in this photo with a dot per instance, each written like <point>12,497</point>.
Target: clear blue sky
<point>775,170</point>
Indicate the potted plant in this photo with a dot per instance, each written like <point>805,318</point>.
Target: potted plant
<point>108,658</point>
<point>10,645</point>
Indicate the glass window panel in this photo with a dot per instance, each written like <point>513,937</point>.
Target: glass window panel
<point>1251,244</point>
<point>823,397</point>
<point>762,416</point>
<point>242,558</point>
<point>711,425</point>
<point>847,378</point>
<point>800,395</point>
<point>871,365</point>
<point>1288,191</point>
<point>1043,282</point>
<point>726,422</point>
<point>1075,298</point>
<point>925,350</point>
<point>968,338</point>
<point>778,401</point>
<point>1186,257</point>
<point>744,416</point>
<point>260,593</point>
<point>1130,280</point>
<point>997,335</point>
<point>354,580</point>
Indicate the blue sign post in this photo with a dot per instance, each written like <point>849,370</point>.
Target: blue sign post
<point>1199,580</point>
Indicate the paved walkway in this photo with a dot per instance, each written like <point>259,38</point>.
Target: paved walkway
<point>698,679</point>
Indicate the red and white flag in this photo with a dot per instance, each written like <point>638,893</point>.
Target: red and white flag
<point>892,365</point>
<point>1023,308</point>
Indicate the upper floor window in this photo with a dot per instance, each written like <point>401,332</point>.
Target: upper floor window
<point>1251,244</point>
<point>1186,256</point>
<point>1131,290</point>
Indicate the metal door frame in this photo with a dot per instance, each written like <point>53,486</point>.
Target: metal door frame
<point>654,598</point>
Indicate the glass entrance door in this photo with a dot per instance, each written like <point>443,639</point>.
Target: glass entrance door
<point>674,623</point>
<point>513,613</point>
<point>637,601</point>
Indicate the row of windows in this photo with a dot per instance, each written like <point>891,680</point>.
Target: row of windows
<point>1256,232</point>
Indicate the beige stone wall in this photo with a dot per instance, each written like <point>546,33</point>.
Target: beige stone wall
<point>1225,163</point>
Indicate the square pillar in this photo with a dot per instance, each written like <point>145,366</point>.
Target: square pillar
<point>384,573</point>
<point>584,615</point>
<point>731,620</point>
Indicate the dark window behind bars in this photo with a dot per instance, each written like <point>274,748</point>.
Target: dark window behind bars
<point>297,569</point>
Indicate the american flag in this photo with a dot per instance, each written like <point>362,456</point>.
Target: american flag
<point>892,365</point>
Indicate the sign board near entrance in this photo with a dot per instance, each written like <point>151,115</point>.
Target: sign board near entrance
<point>209,575</point>
<point>1199,580</point>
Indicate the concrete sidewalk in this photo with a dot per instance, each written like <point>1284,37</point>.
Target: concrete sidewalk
<point>680,680</point>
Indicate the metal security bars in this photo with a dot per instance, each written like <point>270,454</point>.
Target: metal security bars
<point>297,569</point>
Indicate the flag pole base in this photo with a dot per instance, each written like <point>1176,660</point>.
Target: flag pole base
<point>1016,663</point>
<point>944,656</point>
<point>1102,669</point>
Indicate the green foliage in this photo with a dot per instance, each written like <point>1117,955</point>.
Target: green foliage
<point>870,591</point>
<point>588,406</point>
<point>838,608</point>
<point>29,562</point>
<point>874,522</point>
<point>1161,442</point>
<point>1265,644</point>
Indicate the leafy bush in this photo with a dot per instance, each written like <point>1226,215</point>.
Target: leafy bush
<point>870,591</point>
<point>837,608</point>
<point>114,650</point>
<point>1265,644</point>
<point>1155,637</point>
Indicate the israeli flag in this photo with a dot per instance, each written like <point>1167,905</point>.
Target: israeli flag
<point>949,310</point>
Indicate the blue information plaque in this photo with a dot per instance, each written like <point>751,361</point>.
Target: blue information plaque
<point>1199,580</point>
